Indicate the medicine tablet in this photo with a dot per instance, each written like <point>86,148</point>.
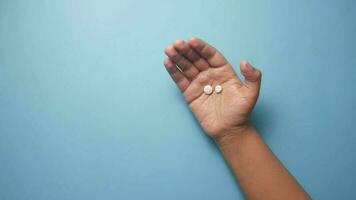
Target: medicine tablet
<point>208,89</point>
<point>218,89</point>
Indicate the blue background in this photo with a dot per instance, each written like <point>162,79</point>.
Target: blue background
<point>87,111</point>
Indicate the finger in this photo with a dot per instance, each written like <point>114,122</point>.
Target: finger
<point>185,65</point>
<point>178,77</point>
<point>211,55</point>
<point>185,50</point>
<point>251,74</point>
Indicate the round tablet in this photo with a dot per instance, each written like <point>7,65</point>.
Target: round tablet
<point>208,89</point>
<point>218,88</point>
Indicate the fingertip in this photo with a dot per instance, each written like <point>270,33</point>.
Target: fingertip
<point>180,45</point>
<point>244,62</point>
<point>167,62</point>
<point>192,38</point>
<point>245,67</point>
<point>179,42</point>
<point>166,50</point>
<point>250,73</point>
<point>193,41</point>
<point>170,51</point>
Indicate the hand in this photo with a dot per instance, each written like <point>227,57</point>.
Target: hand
<point>200,64</point>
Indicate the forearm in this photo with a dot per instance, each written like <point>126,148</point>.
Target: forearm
<point>260,174</point>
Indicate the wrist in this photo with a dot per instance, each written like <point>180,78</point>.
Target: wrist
<point>232,135</point>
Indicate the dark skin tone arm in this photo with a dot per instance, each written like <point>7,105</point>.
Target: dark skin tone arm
<point>225,117</point>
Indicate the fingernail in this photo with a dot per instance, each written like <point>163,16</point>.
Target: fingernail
<point>250,67</point>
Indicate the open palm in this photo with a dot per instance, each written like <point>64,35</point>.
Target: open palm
<point>194,64</point>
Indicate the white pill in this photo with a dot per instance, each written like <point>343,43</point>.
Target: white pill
<point>218,88</point>
<point>208,89</point>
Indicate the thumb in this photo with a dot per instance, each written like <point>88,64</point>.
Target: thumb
<point>251,74</point>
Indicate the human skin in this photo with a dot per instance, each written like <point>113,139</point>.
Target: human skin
<point>193,64</point>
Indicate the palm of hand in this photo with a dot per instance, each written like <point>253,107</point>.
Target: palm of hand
<point>217,113</point>
<point>200,64</point>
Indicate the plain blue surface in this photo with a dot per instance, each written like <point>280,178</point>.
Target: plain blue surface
<point>87,110</point>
